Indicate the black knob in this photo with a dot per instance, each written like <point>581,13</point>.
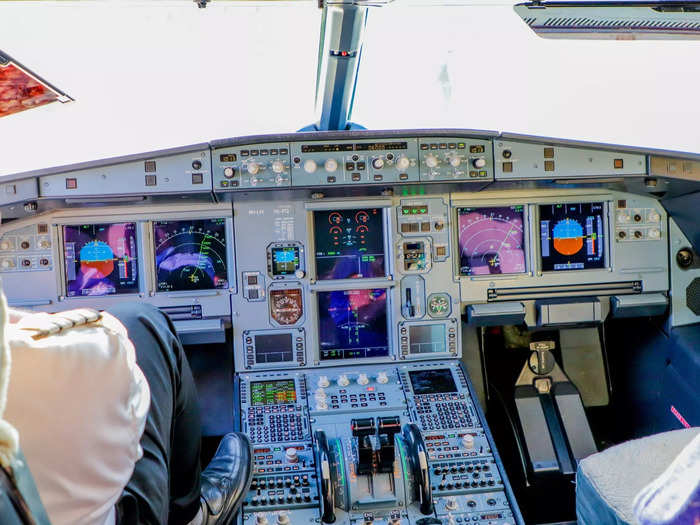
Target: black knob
<point>507,154</point>
<point>196,164</point>
<point>684,258</point>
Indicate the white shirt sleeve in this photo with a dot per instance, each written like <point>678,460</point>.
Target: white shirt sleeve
<point>79,402</point>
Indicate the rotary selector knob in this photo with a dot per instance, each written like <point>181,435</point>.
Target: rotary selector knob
<point>320,393</point>
<point>283,519</point>
<point>291,455</point>
<point>382,378</point>
<point>623,217</point>
<point>479,163</point>
<point>4,245</point>
<point>378,163</point>
<point>44,244</point>
<point>402,163</point>
<point>343,380</point>
<point>451,503</point>
<point>455,162</point>
<point>321,404</point>
<point>323,381</point>
<point>653,216</point>
<point>331,165</point>
<point>253,168</point>
<point>299,274</point>
<point>362,379</point>
<point>654,233</point>
<point>229,172</point>
<point>7,264</point>
<point>431,161</point>
<point>310,166</point>
<point>261,519</point>
<point>468,441</point>
<point>278,166</point>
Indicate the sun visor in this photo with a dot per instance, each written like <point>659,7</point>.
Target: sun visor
<point>21,89</point>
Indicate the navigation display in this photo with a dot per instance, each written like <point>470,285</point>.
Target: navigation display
<point>273,348</point>
<point>349,244</point>
<point>191,255</point>
<point>281,392</point>
<point>572,236</point>
<point>353,324</point>
<point>491,240</point>
<point>432,381</point>
<point>101,259</point>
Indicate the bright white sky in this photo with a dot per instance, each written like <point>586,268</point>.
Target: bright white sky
<point>152,75</point>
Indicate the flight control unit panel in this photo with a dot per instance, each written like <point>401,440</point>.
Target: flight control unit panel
<point>344,307</point>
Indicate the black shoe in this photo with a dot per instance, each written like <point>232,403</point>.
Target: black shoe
<point>226,479</point>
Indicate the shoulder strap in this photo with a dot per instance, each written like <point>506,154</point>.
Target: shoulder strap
<point>8,486</point>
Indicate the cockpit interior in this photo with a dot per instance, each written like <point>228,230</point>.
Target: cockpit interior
<point>430,326</point>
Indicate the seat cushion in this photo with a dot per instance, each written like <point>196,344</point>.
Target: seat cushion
<point>608,482</point>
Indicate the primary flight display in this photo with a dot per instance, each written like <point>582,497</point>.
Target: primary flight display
<point>100,259</point>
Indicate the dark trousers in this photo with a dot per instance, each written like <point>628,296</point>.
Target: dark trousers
<point>165,485</point>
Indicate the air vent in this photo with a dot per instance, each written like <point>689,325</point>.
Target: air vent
<point>183,313</point>
<point>692,296</point>
<point>550,292</point>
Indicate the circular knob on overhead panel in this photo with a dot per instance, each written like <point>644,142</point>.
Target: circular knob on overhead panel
<point>330,165</point>
<point>253,168</point>
<point>378,163</point>
<point>362,379</point>
<point>402,163</point>
<point>468,441</point>
<point>431,161</point>
<point>261,519</point>
<point>479,163</point>
<point>455,162</point>
<point>382,378</point>
<point>310,165</point>
<point>283,518</point>
<point>291,455</point>
<point>278,166</point>
<point>343,380</point>
<point>323,381</point>
<point>229,172</point>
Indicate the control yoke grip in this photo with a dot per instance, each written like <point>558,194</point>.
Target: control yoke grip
<point>323,464</point>
<point>418,457</point>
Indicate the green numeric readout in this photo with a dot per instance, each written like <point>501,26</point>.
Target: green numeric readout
<point>264,393</point>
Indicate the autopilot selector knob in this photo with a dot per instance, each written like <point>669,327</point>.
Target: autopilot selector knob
<point>402,163</point>
<point>431,161</point>
<point>362,379</point>
<point>323,381</point>
<point>479,163</point>
<point>278,166</point>
<point>253,168</point>
<point>310,165</point>
<point>291,455</point>
<point>283,518</point>
<point>468,441</point>
<point>343,380</point>
<point>261,519</point>
<point>382,378</point>
<point>455,162</point>
<point>330,165</point>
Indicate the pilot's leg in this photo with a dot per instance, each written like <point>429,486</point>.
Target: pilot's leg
<point>165,486</point>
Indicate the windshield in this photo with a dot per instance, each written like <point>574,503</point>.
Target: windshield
<point>152,75</point>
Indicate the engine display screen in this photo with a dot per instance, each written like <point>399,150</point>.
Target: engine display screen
<point>353,324</point>
<point>285,260</point>
<point>274,348</point>
<point>491,240</point>
<point>426,339</point>
<point>191,255</point>
<point>263,393</point>
<point>349,244</point>
<point>101,259</point>
<point>572,236</point>
<point>432,381</point>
